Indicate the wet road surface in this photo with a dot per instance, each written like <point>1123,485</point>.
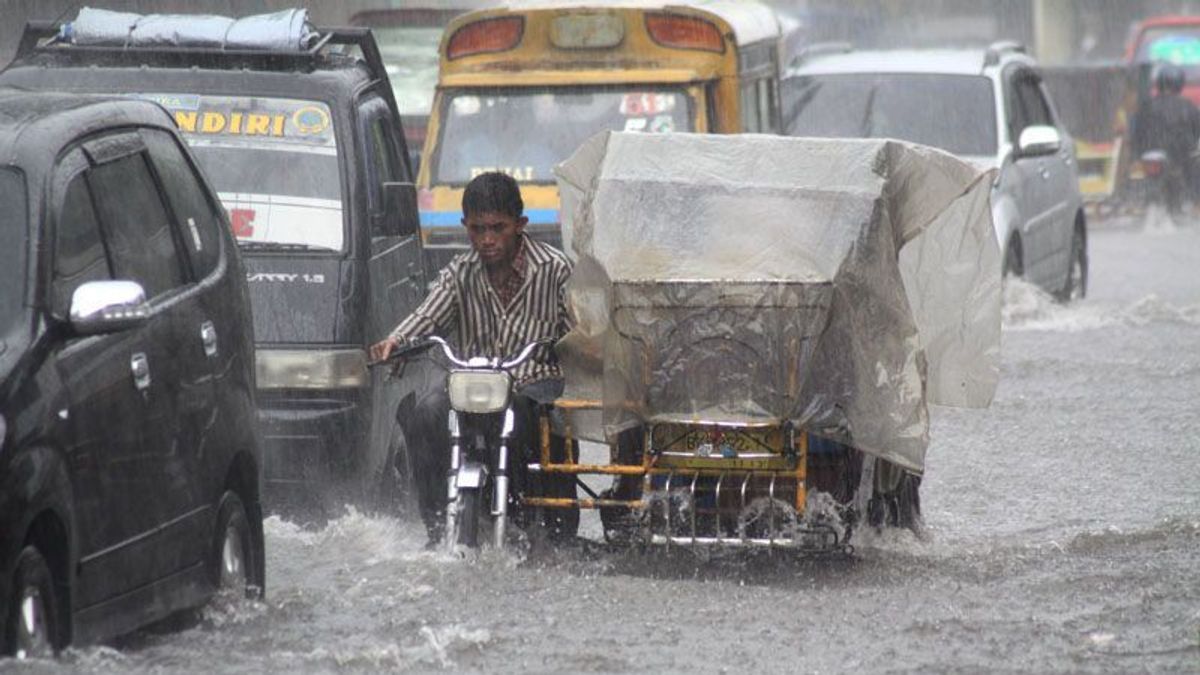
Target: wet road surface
<point>1062,535</point>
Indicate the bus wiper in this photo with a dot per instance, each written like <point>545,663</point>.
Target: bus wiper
<point>250,245</point>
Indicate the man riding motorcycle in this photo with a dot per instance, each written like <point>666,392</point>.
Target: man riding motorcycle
<point>506,292</point>
<point>1170,123</point>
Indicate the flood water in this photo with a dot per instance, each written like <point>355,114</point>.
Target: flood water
<point>1062,535</point>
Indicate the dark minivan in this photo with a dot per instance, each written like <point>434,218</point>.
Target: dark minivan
<point>301,138</point>
<point>129,459</point>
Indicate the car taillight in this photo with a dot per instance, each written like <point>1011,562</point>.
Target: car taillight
<point>489,35</point>
<point>684,32</point>
<point>424,200</point>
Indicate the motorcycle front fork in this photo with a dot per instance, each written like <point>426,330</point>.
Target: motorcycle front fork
<point>500,482</point>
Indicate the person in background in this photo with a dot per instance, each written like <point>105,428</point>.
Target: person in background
<point>1171,123</point>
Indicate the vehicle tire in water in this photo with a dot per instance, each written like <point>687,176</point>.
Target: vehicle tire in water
<point>897,500</point>
<point>233,566</point>
<point>1012,259</point>
<point>1075,287</point>
<point>33,622</point>
<point>468,517</point>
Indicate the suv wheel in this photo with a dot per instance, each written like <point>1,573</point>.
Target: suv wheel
<point>33,616</point>
<point>1012,259</point>
<point>233,563</point>
<point>1075,287</point>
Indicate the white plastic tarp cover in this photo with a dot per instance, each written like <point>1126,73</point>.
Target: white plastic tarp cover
<point>287,30</point>
<point>838,284</point>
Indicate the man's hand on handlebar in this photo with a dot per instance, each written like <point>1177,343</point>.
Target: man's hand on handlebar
<point>380,351</point>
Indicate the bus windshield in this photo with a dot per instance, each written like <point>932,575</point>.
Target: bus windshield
<point>526,132</point>
<point>274,165</point>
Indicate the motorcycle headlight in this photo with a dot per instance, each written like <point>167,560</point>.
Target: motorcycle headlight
<point>311,368</point>
<point>478,392</point>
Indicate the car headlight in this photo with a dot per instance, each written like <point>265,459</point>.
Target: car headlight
<point>311,368</point>
<point>478,392</point>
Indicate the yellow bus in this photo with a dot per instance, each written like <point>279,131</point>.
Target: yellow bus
<point>519,89</point>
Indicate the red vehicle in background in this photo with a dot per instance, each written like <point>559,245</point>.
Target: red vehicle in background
<point>1172,39</point>
<point>1153,41</point>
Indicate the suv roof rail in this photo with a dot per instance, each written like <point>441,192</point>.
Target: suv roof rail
<point>995,50</point>
<point>818,48</point>
<point>217,58</point>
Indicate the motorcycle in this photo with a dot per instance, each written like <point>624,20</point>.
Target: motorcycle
<point>481,425</point>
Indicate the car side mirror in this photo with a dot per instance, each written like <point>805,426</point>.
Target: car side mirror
<point>1039,140</point>
<point>400,218</point>
<point>108,307</point>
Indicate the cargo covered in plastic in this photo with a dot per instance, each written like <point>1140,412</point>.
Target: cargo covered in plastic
<point>839,285</point>
<point>287,30</point>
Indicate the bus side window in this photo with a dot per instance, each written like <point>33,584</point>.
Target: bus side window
<point>751,114</point>
<point>768,97</point>
<point>710,107</point>
<point>758,107</point>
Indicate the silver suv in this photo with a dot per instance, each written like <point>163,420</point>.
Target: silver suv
<point>988,106</point>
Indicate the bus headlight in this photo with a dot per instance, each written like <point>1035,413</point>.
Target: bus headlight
<point>478,392</point>
<point>311,368</point>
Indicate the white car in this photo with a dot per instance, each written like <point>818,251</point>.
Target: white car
<point>985,105</point>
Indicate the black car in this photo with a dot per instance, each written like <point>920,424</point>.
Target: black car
<point>129,460</point>
<point>306,150</point>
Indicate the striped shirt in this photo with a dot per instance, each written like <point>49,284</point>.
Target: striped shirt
<point>464,308</point>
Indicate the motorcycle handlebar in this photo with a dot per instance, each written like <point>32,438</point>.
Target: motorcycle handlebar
<point>431,341</point>
<point>401,353</point>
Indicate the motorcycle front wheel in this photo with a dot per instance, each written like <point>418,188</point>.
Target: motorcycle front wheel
<point>467,506</point>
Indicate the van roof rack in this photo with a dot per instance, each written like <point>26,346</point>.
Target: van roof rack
<point>997,49</point>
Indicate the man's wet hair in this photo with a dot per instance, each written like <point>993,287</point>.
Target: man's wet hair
<point>493,192</point>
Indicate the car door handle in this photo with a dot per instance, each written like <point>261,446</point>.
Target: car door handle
<point>140,366</point>
<point>208,336</point>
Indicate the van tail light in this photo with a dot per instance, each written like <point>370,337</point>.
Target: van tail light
<point>684,32</point>
<point>424,200</point>
<point>482,37</point>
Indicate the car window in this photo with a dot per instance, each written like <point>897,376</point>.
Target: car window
<point>1034,109</point>
<point>195,214</point>
<point>79,255</point>
<point>137,229</point>
<point>382,163</point>
<point>13,231</point>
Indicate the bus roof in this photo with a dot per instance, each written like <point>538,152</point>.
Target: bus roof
<point>750,20</point>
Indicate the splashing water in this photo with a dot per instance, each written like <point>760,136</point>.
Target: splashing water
<point>1029,308</point>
